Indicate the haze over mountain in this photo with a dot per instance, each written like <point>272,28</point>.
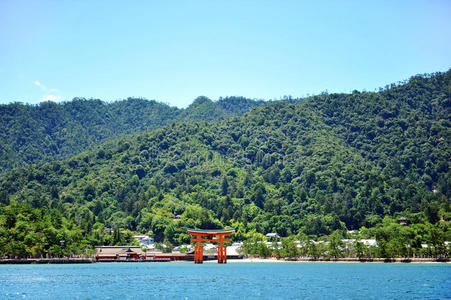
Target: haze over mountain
<point>313,167</point>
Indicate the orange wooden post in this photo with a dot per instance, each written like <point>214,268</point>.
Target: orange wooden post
<point>222,250</point>
<point>198,250</point>
<point>225,255</point>
<point>220,254</point>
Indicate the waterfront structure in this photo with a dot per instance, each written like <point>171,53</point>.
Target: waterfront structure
<point>210,235</point>
<point>119,253</point>
<point>135,253</point>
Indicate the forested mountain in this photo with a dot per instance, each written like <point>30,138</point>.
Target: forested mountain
<point>204,109</point>
<point>32,133</point>
<point>326,164</point>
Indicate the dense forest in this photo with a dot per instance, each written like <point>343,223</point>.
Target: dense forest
<point>310,169</point>
<point>33,133</point>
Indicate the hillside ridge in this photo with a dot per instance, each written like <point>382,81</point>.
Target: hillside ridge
<point>33,133</point>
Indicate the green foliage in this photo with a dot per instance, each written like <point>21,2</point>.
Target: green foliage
<point>336,245</point>
<point>315,167</point>
<point>31,232</point>
<point>34,133</point>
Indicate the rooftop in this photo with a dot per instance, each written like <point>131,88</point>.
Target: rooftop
<point>105,247</point>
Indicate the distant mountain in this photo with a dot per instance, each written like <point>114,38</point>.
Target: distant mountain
<point>33,133</point>
<point>327,163</point>
<point>204,109</point>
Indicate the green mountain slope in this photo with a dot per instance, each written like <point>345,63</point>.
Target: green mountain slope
<point>32,133</point>
<point>328,163</point>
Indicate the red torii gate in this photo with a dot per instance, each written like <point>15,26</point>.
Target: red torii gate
<point>210,234</point>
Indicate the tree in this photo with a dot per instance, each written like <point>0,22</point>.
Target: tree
<point>361,250</point>
<point>289,248</point>
<point>258,196</point>
<point>313,250</point>
<point>431,212</point>
<point>224,185</point>
<point>336,244</point>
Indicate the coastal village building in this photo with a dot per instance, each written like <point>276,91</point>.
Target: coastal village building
<point>183,249</point>
<point>136,253</point>
<point>403,221</point>
<point>273,245</point>
<point>118,253</point>
<point>272,236</point>
<point>145,241</point>
<point>368,242</point>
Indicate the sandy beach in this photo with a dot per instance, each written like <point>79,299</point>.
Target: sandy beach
<point>341,260</point>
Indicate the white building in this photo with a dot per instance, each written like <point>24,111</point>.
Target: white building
<point>145,241</point>
<point>272,236</point>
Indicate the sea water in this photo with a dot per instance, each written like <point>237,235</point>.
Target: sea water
<point>187,280</point>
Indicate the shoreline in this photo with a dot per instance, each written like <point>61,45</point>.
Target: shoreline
<point>341,260</point>
<point>234,260</point>
<point>40,261</point>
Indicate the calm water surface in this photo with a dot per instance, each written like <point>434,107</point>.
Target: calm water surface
<point>230,281</point>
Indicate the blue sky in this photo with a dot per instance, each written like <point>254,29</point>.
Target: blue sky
<point>174,51</point>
